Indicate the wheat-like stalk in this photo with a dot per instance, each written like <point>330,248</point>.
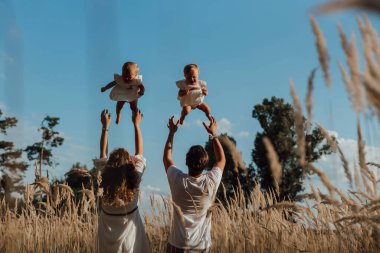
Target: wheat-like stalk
<point>309,98</point>
<point>353,84</point>
<point>326,182</point>
<point>42,183</point>
<point>321,45</point>
<point>298,117</point>
<point>362,160</point>
<point>237,158</point>
<point>337,5</point>
<point>274,163</point>
<point>377,165</point>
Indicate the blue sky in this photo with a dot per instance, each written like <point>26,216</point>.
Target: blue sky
<point>55,56</point>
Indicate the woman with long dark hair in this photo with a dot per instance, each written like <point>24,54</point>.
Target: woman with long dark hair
<point>120,226</point>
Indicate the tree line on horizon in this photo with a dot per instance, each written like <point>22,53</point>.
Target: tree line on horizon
<point>12,166</point>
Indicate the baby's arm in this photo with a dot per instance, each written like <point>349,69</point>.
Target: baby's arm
<point>141,89</point>
<point>204,91</point>
<point>203,87</point>
<point>108,86</point>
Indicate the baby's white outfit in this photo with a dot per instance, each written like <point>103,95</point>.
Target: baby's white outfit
<point>195,97</point>
<point>125,90</point>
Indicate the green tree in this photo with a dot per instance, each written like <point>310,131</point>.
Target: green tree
<point>11,168</point>
<point>41,151</point>
<point>235,172</point>
<point>276,118</point>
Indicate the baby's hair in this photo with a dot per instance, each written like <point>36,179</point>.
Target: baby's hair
<point>188,67</point>
<point>131,67</point>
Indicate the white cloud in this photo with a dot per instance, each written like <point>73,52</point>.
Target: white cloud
<point>224,126</point>
<point>4,109</point>
<point>332,164</point>
<point>151,188</point>
<point>333,133</point>
<point>243,134</point>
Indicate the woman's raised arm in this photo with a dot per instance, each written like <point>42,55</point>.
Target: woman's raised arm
<point>136,119</point>
<point>105,118</point>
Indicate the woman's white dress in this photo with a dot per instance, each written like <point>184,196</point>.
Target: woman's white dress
<point>124,233</point>
<point>126,90</point>
<point>195,97</point>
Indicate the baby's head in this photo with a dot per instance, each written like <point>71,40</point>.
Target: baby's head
<point>191,73</point>
<point>130,70</point>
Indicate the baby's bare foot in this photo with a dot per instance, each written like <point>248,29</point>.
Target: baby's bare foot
<point>117,120</point>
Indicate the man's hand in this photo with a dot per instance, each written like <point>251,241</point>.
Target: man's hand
<point>141,90</point>
<point>211,129</point>
<point>105,118</point>
<point>220,158</point>
<point>136,118</point>
<point>205,91</point>
<point>167,158</point>
<point>172,126</point>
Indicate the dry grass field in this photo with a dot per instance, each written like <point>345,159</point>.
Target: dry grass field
<point>337,221</point>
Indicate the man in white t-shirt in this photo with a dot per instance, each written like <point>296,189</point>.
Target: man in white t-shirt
<point>193,193</point>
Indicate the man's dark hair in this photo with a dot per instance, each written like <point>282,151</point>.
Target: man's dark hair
<point>196,159</point>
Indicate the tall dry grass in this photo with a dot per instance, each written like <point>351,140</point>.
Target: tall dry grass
<point>348,223</point>
<point>334,222</point>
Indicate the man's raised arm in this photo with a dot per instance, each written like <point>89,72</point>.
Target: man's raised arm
<point>167,158</point>
<point>220,159</point>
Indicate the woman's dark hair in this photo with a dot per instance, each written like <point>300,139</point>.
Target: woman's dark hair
<point>120,180</point>
<point>196,159</point>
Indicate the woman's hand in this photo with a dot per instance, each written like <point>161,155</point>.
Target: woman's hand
<point>136,118</point>
<point>105,118</point>
<point>205,91</point>
<point>172,126</point>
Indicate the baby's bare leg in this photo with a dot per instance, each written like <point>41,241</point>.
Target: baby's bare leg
<point>206,109</point>
<point>119,106</point>
<point>133,106</point>
<point>185,110</point>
